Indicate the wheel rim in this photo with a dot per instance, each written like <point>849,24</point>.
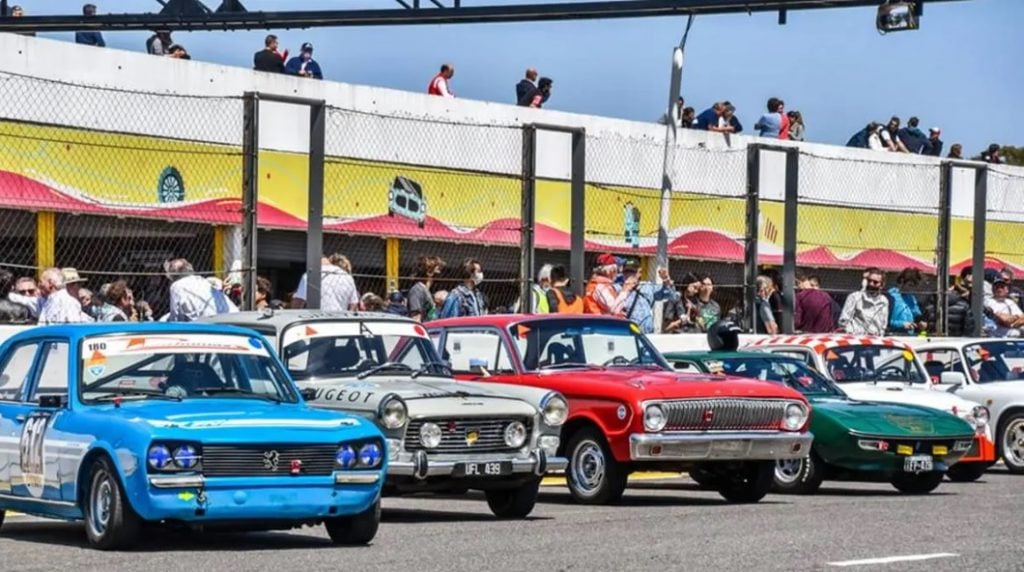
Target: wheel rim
<point>100,504</point>
<point>788,471</point>
<point>1013,443</point>
<point>588,467</point>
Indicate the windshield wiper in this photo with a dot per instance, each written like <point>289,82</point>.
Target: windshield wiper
<point>237,391</point>
<point>382,367</point>
<point>569,364</point>
<point>134,393</point>
<point>426,367</point>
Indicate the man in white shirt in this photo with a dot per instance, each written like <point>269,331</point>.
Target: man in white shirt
<point>1005,312</point>
<point>338,291</point>
<point>57,305</point>
<point>192,296</point>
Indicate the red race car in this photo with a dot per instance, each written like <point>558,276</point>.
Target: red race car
<point>628,409</point>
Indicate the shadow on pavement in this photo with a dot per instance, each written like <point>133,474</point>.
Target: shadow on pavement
<point>418,515</point>
<point>632,499</point>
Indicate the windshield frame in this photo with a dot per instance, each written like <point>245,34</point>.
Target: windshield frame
<point>924,379</point>
<point>833,388</point>
<point>968,364</point>
<point>289,393</point>
<point>552,323</point>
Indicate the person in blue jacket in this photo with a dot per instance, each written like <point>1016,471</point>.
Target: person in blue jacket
<point>905,316</point>
<point>303,64</point>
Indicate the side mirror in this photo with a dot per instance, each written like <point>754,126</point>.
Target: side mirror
<point>952,378</point>
<point>308,393</point>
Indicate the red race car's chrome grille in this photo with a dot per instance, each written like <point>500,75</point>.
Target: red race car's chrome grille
<point>724,414</point>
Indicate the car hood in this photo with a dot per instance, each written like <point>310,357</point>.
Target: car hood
<point>239,420</point>
<point>887,419</point>
<point>892,393</point>
<point>423,396</point>
<point>671,385</point>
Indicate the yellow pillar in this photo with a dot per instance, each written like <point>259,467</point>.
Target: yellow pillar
<point>218,251</point>
<point>647,268</point>
<point>46,239</point>
<point>391,263</point>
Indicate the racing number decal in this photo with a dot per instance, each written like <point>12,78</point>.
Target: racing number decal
<point>31,449</point>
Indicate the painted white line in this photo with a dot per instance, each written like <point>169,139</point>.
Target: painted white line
<point>893,559</point>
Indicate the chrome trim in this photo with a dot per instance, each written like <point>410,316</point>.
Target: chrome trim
<point>720,446</point>
<point>177,482</point>
<point>356,478</point>
<point>727,413</point>
<point>40,501</point>
<point>447,467</point>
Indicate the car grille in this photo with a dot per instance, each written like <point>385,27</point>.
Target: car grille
<point>258,460</point>
<point>455,433</point>
<point>724,414</point>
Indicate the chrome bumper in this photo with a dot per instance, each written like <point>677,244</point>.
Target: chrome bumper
<point>421,467</point>
<point>725,446</point>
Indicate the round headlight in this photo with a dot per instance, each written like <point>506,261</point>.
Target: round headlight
<point>654,418</point>
<point>430,435</point>
<point>186,457</point>
<point>370,455</point>
<point>393,414</point>
<point>346,457</point>
<point>981,416</point>
<point>555,409</point>
<point>159,457</point>
<point>796,416</point>
<point>515,434</point>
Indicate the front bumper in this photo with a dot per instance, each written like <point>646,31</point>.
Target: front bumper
<point>719,446</point>
<point>196,499</point>
<point>421,466</point>
<point>983,450</point>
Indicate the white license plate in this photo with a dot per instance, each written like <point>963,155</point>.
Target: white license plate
<point>492,469</point>
<point>917,464</point>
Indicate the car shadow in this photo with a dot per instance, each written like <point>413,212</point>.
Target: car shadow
<point>419,516</point>
<point>632,499</point>
<point>834,491</point>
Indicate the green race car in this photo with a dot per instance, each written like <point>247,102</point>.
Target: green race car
<point>906,445</point>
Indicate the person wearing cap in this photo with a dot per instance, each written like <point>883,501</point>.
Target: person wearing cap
<point>73,282</point>
<point>601,296</point>
<point>936,144</point>
<point>396,304</point>
<point>1009,320</point>
<point>303,64</point>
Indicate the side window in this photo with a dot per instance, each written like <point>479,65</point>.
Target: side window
<point>53,378</point>
<point>937,362</point>
<point>15,371</point>
<point>798,354</point>
<point>686,366</point>
<point>466,349</point>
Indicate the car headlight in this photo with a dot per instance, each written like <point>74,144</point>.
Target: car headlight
<point>980,415</point>
<point>346,457</point>
<point>555,409</point>
<point>159,457</point>
<point>186,457</point>
<point>430,435</point>
<point>796,416</point>
<point>393,413</point>
<point>654,418</point>
<point>515,434</point>
<point>370,456</point>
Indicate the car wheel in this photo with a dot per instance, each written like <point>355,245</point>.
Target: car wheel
<point>110,523</point>
<point>967,472</point>
<point>920,484</point>
<point>704,478</point>
<point>355,530</point>
<point>749,484</point>
<point>514,503</point>
<point>799,476</point>
<point>1011,443</point>
<point>594,476</point>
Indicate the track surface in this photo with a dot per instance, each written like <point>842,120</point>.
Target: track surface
<point>661,525</point>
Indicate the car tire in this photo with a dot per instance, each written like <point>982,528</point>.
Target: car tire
<point>355,530</point>
<point>1012,449</point>
<point>594,476</point>
<point>799,476</point>
<point>748,485</point>
<point>921,484</point>
<point>967,472</point>
<point>704,478</point>
<point>110,523</point>
<point>514,503</point>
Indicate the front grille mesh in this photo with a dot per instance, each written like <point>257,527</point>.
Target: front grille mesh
<point>455,435</point>
<point>258,460</point>
<point>724,414</point>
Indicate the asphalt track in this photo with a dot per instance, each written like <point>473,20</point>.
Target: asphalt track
<point>661,525</point>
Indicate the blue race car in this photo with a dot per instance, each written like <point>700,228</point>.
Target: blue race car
<point>125,424</point>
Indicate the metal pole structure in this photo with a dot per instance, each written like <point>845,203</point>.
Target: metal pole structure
<point>978,266</point>
<point>577,202</point>
<point>315,216</point>
<point>250,194</point>
<point>789,239</point>
<point>750,244</point>
<point>942,250</point>
<point>527,217</point>
<point>671,126</point>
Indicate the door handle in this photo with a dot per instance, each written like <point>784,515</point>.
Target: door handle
<point>21,418</point>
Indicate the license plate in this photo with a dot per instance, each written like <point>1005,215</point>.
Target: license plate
<point>731,446</point>
<point>489,469</point>
<point>917,464</point>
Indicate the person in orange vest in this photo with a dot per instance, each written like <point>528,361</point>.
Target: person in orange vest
<point>439,86</point>
<point>561,298</point>
<point>601,296</point>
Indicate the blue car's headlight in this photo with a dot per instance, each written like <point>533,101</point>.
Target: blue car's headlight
<point>367,454</point>
<point>186,457</point>
<point>370,456</point>
<point>174,456</point>
<point>346,457</point>
<point>159,457</point>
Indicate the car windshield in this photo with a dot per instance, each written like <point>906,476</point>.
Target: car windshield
<point>360,349</point>
<point>568,343</point>
<point>996,361</point>
<point>789,372</point>
<point>845,364</point>
<point>180,367</point>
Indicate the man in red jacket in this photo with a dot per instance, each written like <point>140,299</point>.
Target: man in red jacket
<point>815,309</point>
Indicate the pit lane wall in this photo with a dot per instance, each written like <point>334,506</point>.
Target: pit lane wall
<point>97,144</point>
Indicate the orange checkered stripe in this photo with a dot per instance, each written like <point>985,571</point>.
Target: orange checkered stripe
<point>821,343</point>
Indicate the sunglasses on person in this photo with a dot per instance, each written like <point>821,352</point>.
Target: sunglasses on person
<point>27,292</point>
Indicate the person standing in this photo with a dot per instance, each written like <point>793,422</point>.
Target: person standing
<point>90,38</point>
<point>601,296</point>
<point>536,97</point>
<point>708,119</point>
<point>866,312</point>
<point>561,298</point>
<point>526,85</point>
<point>422,307</point>
<point>269,59</point>
<point>159,44</point>
<point>770,124</point>
<point>905,318</point>
<point>10,312</point>
<point>192,296</point>
<point>338,292</point>
<point>813,311</point>
<point>935,144</point>
<point>466,298</point>
<point>440,85</point>
<point>708,311</point>
<point>57,305</point>
<point>956,151</point>
<point>539,292</point>
<point>765,318</point>
<point>303,65</point>
<point>797,131</point>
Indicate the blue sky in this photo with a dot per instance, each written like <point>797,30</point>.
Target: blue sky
<point>961,71</point>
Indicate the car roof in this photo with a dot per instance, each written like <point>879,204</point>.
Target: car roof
<point>279,319</point>
<point>505,320</point>
<point>707,354</point>
<point>822,342</point>
<point>76,332</point>
<point>961,342</point>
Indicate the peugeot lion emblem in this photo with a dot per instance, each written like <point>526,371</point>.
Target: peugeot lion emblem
<point>270,460</point>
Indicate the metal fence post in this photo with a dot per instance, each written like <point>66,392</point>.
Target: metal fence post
<point>792,198</point>
<point>250,194</point>
<point>578,211</point>
<point>942,249</point>
<point>527,217</point>
<point>315,216</point>
<point>751,239</point>
<point>978,266</point>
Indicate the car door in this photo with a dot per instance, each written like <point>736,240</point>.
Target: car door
<point>47,462</point>
<point>15,372</point>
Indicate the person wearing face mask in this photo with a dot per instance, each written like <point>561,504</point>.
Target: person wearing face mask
<point>539,292</point>
<point>866,311</point>
<point>422,305</point>
<point>466,298</point>
<point>303,64</point>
